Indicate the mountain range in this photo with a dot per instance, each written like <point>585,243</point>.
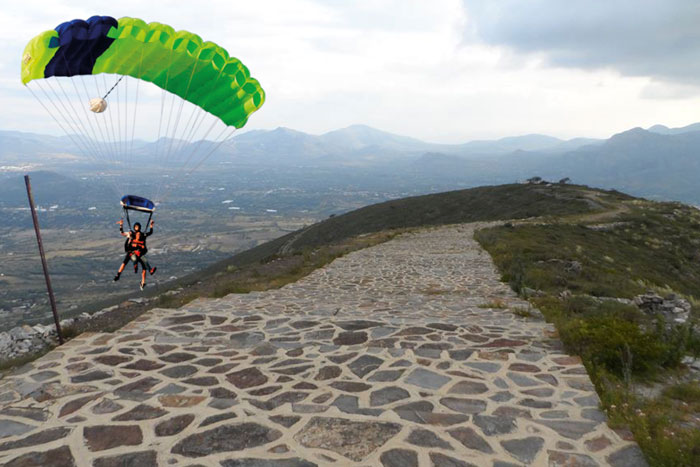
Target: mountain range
<point>658,162</point>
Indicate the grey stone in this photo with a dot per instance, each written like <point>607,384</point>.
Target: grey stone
<point>567,459</point>
<point>99,438</point>
<point>106,406</point>
<point>464,405</point>
<point>132,459</point>
<point>217,418</point>
<point>491,425</point>
<point>91,376</point>
<point>251,462</point>
<point>525,449</point>
<point>350,338</point>
<point>358,324</point>
<point>246,339</point>
<point>427,379</point>
<point>470,439</point>
<point>365,364</point>
<point>501,396</point>
<point>593,414</point>
<point>488,367</point>
<point>12,428</point>
<point>427,439</point>
<point>174,425</point>
<point>140,412</point>
<point>38,415</point>
<point>569,429</point>
<point>468,387</point>
<point>247,378</point>
<point>588,401</point>
<point>171,388</point>
<point>522,380</point>
<point>43,437</point>
<point>285,421</point>
<point>59,457</point>
<point>226,438</point>
<point>350,404</point>
<point>441,460</point>
<point>387,396</point>
<point>399,458</point>
<point>42,376</point>
<point>385,376</point>
<point>630,456</point>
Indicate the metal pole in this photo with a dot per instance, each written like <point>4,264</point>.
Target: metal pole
<point>43,259</point>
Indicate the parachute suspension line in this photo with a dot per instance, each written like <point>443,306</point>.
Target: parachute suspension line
<point>112,88</point>
<point>68,117</point>
<point>84,132</point>
<point>109,144</point>
<point>116,127</point>
<point>104,131</point>
<point>204,159</point>
<point>70,134</point>
<point>111,126</point>
<point>193,151</point>
<point>196,124</point>
<point>94,136</point>
<point>182,102</point>
<point>125,143</point>
<point>78,125</point>
<point>136,104</point>
<point>162,145</point>
<point>198,120</point>
<point>120,155</point>
<point>162,108</point>
<point>97,122</point>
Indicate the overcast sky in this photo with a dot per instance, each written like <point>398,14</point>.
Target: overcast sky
<point>438,70</point>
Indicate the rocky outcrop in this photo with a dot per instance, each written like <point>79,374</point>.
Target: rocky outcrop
<point>26,340</point>
<point>674,309</point>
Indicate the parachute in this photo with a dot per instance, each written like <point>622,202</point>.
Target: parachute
<point>89,75</point>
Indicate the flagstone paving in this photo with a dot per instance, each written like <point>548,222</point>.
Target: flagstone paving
<point>395,355</point>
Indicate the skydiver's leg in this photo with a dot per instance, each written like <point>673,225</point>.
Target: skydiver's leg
<point>147,266</point>
<point>143,271</point>
<point>121,268</point>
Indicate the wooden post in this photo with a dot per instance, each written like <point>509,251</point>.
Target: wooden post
<point>43,259</point>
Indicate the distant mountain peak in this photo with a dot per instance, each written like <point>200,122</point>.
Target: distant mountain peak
<point>664,130</point>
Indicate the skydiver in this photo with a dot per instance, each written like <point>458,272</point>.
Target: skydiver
<point>136,250</point>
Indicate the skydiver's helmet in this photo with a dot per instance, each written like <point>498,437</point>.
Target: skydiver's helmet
<point>137,224</point>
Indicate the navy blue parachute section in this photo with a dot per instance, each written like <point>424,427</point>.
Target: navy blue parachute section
<point>137,203</point>
<point>80,43</point>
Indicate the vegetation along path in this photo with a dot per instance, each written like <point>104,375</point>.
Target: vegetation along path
<point>407,353</point>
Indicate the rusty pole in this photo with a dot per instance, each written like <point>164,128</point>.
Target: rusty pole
<point>43,259</point>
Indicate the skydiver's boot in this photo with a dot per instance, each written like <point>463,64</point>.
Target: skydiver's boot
<point>153,270</point>
<point>116,278</point>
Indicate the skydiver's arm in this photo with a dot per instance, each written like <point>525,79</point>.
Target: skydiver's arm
<point>121,228</point>
<point>150,232</point>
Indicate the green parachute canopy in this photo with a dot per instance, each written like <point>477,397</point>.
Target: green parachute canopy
<point>179,62</point>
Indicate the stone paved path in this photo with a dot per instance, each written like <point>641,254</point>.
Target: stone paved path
<point>387,356</point>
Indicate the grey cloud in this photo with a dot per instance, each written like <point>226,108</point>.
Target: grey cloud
<point>655,38</point>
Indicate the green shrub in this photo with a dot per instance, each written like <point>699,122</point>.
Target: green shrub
<point>614,344</point>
